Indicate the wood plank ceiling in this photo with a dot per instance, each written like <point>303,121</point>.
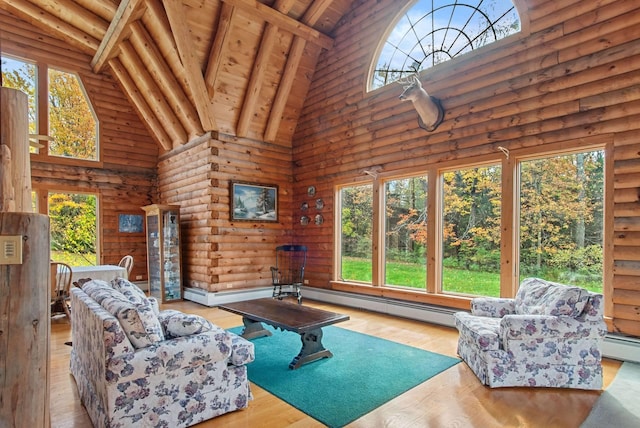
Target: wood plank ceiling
<point>239,67</point>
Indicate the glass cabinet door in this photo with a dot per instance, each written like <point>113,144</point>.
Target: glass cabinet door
<point>163,252</point>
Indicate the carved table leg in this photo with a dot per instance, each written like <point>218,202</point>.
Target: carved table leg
<point>312,349</point>
<point>253,329</point>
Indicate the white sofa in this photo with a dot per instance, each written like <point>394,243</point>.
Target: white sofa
<point>550,335</point>
<point>137,366</point>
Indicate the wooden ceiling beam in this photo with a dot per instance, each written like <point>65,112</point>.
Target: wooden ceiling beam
<point>62,30</point>
<point>152,93</point>
<point>217,47</point>
<point>256,80</point>
<point>252,95</point>
<point>311,16</point>
<point>284,89</point>
<point>165,79</point>
<point>262,11</point>
<point>71,12</point>
<point>195,78</point>
<point>150,119</point>
<point>127,12</point>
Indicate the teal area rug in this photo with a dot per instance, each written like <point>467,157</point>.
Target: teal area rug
<point>364,372</point>
<point>618,406</point>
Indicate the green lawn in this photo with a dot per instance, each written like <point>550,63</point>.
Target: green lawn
<point>73,259</point>
<point>454,280</point>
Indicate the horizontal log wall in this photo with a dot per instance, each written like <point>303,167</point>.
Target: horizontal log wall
<point>219,254</point>
<point>125,178</point>
<point>571,75</point>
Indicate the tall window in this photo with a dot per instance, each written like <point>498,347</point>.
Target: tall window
<point>356,233</point>
<point>71,124</point>
<point>434,31</point>
<point>471,231</point>
<point>561,218</point>
<point>406,232</point>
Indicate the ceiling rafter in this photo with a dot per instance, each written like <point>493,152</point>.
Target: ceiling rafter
<point>165,79</point>
<point>286,23</point>
<point>65,31</point>
<point>150,119</point>
<point>195,78</point>
<point>152,93</point>
<point>218,46</point>
<point>128,11</point>
<point>257,77</point>
<point>311,16</point>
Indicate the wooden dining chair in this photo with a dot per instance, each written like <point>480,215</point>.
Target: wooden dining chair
<point>60,289</point>
<point>127,263</point>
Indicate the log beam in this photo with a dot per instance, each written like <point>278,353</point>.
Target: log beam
<point>127,12</point>
<point>280,20</point>
<point>195,78</point>
<point>150,119</point>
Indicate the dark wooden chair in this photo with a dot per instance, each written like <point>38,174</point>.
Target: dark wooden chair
<point>61,276</point>
<point>287,276</point>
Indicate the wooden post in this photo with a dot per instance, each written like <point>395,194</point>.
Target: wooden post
<point>15,172</point>
<point>24,324</point>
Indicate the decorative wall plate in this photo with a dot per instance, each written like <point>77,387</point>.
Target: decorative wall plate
<point>304,220</point>
<point>304,206</point>
<point>319,204</point>
<point>319,219</point>
<point>311,191</point>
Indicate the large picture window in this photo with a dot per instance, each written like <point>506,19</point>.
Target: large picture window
<point>477,229</point>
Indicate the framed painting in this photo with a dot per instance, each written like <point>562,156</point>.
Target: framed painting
<point>130,223</point>
<point>253,202</point>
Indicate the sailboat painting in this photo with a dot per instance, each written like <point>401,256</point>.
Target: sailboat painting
<point>254,202</point>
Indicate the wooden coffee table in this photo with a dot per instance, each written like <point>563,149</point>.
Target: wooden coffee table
<point>304,320</point>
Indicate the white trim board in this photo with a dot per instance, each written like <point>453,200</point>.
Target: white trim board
<point>615,346</point>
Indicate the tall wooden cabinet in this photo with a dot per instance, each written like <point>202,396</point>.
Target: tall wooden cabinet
<point>164,263</point>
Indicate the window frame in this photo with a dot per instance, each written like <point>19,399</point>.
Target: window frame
<point>42,113</point>
<point>509,160</point>
<point>369,86</point>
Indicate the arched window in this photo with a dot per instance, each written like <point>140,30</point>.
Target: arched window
<point>434,31</point>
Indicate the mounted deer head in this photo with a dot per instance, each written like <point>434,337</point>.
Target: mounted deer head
<point>430,111</point>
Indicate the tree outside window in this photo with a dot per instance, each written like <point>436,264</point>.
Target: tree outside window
<point>406,232</point>
<point>356,227</point>
<point>471,231</point>
<point>561,218</point>
<point>72,123</point>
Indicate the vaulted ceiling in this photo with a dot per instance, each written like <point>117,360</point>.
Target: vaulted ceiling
<point>239,67</point>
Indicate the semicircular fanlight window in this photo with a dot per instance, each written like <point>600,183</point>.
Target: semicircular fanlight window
<point>434,31</point>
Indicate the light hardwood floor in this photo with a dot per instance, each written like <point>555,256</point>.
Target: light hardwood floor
<point>454,398</point>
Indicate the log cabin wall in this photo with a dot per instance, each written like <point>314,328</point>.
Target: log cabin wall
<point>125,178</point>
<point>571,75</point>
<point>219,254</point>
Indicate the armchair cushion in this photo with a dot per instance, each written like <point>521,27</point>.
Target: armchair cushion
<point>178,324</point>
<point>136,315</point>
<point>539,297</point>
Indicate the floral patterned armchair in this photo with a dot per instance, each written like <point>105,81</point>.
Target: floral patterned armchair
<point>137,366</point>
<point>549,335</point>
